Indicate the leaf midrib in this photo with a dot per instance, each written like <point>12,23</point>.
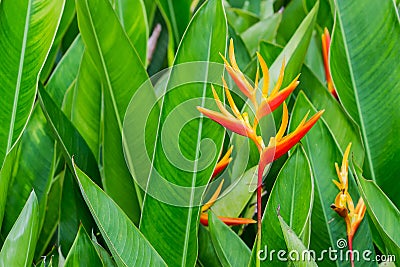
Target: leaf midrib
<point>355,88</point>
<point>103,63</point>
<point>19,77</point>
<point>194,177</point>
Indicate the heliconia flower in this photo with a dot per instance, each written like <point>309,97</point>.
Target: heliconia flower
<point>280,145</point>
<point>237,76</point>
<point>276,98</point>
<point>344,205</point>
<point>223,163</point>
<point>239,123</point>
<point>227,220</point>
<point>326,43</point>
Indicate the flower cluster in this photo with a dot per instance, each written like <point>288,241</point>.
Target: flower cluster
<point>241,124</point>
<point>344,205</point>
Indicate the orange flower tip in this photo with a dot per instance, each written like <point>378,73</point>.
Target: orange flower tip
<point>227,220</point>
<point>236,221</point>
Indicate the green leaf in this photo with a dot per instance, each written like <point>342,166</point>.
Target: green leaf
<point>65,75</point>
<point>19,246</point>
<point>105,257</point>
<point>179,243</point>
<point>33,169</point>
<point>176,14</point>
<point>72,213</point>
<point>239,193</point>
<point>327,227</point>
<point>382,211</point>
<point>293,193</point>
<point>6,173</point>
<point>231,250</point>
<point>29,27</point>
<point>241,19</point>
<point>263,30</point>
<point>71,142</point>
<point>342,128</point>
<point>85,107</point>
<point>293,14</point>
<point>126,243</point>
<point>82,252</point>
<point>365,73</point>
<point>132,15</point>
<point>294,51</point>
<point>67,18</point>
<point>295,246</point>
<point>207,255</point>
<point>51,219</point>
<point>114,57</point>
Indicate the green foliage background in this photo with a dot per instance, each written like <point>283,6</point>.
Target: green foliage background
<point>69,69</point>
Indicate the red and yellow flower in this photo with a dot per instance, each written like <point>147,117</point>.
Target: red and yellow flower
<point>344,205</point>
<point>241,124</point>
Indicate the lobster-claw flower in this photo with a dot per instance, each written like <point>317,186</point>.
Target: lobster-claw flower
<point>326,43</point>
<point>272,101</point>
<point>223,163</point>
<point>227,220</point>
<point>280,145</point>
<point>237,76</point>
<point>268,102</point>
<point>239,123</point>
<point>344,205</point>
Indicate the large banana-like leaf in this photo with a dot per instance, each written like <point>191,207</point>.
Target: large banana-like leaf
<point>27,29</point>
<point>231,250</point>
<point>132,15</point>
<point>72,145</point>
<point>327,228</point>
<point>33,169</point>
<point>176,14</point>
<point>83,252</point>
<point>85,104</point>
<point>121,72</point>
<point>383,213</point>
<point>67,17</point>
<point>65,74</point>
<point>19,246</point>
<point>294,243</point>
<point>207,254</point>
<point>126,243</point>
<point>177,221</point>
<point>343,129</point>
<point>365,70</point>
<point>292,194</point>
<point>6,173</point>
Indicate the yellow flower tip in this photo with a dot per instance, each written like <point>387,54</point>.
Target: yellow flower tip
<point>280,79</point>
<point>282,128</point>
<point>232,57</point>
<point>339,185</point>
<point>223,163</point>
<point>213,197</point>
<point>346,154</point>
<point>265,71</point>
<point>231,102</point>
